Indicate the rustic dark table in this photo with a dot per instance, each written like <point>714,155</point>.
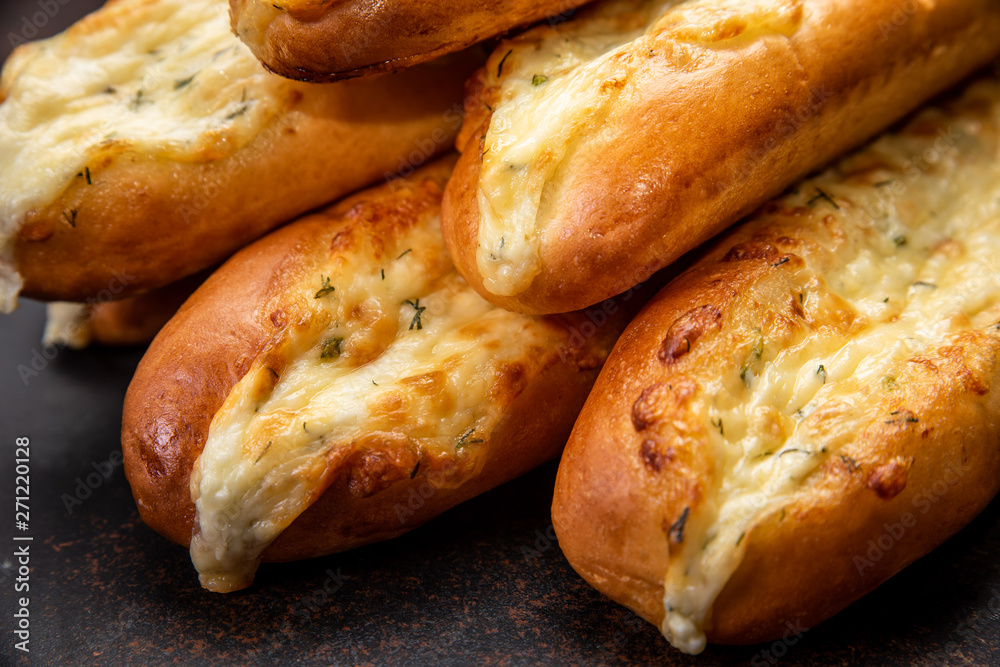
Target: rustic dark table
<point>483,584</point>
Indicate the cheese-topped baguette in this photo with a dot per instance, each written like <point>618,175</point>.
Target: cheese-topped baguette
<point>339,39</point>
<point>822,381</point>
<point>338,383</point>
<point>147,141</point>
<point>601,149</point>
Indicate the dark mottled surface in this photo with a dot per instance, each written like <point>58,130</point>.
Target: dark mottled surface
<point>484,583</point>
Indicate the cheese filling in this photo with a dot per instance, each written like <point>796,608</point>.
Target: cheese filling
<point>919,264</point>
<point>407,352</point>
<point>558,94</point>
<point>161,77</point>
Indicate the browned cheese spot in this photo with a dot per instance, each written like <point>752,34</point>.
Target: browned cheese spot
<point>686,330</point>
<point>889,479</point>
<point>372,470</point>
<point>648,408</point>
<point>752,250</point>
<point>652,457</point>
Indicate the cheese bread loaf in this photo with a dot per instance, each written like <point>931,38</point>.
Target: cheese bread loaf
<point>338,383</point>
<point>813,405</point>
<point>599,150</point>
<point>146,141</point>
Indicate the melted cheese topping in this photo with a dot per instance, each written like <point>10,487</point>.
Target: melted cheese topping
<point>161,77</point>
<point>560,90</point>
<point>914,260</point>
<point>67,324</point>
<point>412,354</point>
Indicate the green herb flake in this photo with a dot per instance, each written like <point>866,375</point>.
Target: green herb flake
<point>823,195</point>
<point>240,110</point>
<point>413,473</point>
<point>793,450</point>
<point>331,348</point>
<point>70,217</point>
<point>538,79</point>
<point>267,447</point>
<point>405,253</point>
<point>717,423</point>
<point>890,383</point>
<point>137,101</point>
<point>464,439</point>
<point>326,288</point>
<point>383,274</point>
<point>184,83</point>
<point>821,372</point>
<point>900,241</point>
<point>921,283</point>
<point>851,464</point>
<point>416,323</point>
<point>676,531</point>
<point>901,417</point>
<point>502,61</point>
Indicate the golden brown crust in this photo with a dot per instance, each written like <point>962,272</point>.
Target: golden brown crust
<point>351,38</point>
<point>152,222</point>
<point>922,464</point>
<point>136,320</point>
<point>715,156</point>
<point>225,325</point>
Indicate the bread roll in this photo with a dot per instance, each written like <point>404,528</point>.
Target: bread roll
<point>602,149</point>
<point>147,141</point>
<point>338,383</point>
<point>328,41</point>
<point>812,406</point>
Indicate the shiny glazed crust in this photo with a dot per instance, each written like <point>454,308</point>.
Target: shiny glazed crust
<point>341,39</point>
<point>154,221</point>
<point>924,465</point>
<point>222,328</point>
<point>729,134</point>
